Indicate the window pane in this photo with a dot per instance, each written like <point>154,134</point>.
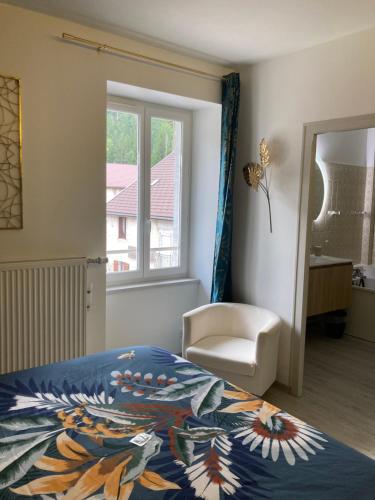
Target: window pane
<point>122,190</point>
<point>165,193</point>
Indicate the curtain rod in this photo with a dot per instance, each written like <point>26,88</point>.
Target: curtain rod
<point>140,57</point>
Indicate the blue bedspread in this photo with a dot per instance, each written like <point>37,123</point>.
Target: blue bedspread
<point>142,423</point>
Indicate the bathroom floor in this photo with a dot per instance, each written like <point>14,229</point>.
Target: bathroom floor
<point>339,390</point>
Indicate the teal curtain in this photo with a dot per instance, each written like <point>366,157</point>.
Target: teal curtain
<point>221,289</point>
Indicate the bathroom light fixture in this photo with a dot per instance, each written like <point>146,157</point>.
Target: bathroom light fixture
<point>255,174</point>
<point>326,193</point>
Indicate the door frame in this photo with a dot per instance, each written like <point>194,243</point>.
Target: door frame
<point>310,132</point>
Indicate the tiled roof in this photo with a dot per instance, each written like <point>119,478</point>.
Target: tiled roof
<point>162,192</point>
<point>121,175</point>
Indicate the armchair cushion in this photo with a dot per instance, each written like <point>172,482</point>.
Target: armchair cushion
<point>232,354</point>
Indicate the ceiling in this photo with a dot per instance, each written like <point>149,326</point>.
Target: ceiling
<point>225,31</point>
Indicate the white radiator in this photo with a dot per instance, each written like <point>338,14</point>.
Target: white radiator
<point>42,312</point>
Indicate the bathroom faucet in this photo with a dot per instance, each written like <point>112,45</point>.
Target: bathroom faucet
<point>358,277</point>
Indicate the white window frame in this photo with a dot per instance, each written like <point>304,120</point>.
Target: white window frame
<point>145,112</point>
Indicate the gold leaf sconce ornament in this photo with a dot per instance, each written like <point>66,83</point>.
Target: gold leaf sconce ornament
<point>255,174</point>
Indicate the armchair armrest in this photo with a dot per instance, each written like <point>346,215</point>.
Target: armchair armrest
<point>267,343</point>
<point>200,322</point>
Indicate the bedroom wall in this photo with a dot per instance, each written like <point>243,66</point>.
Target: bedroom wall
<point>150,315</point>
<point>64,100</point>
<point>333,80</point>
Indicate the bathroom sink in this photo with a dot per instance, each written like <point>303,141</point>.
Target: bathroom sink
<point>326,260</point>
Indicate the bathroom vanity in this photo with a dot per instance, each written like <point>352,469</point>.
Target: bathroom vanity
<point>330,284</point>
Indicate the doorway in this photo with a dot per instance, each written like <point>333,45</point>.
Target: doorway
<point>306,217</point>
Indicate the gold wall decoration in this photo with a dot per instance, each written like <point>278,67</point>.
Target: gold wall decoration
<point>10,154</point>
<point>255,174</point>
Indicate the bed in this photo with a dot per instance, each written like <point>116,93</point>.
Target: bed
<point>142,423</point>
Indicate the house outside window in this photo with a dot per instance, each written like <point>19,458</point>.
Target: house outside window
<point>148,163</point>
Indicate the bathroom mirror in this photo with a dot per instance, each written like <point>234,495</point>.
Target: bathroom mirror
<point>318,191</point>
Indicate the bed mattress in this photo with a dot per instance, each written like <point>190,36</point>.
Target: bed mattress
<point>142,423</point>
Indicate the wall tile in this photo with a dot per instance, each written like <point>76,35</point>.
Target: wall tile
<point>350,192</point>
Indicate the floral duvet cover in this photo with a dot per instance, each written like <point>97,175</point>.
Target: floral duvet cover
<point>142,423</point>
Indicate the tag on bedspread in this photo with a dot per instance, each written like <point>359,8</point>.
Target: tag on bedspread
<point>141,439</point>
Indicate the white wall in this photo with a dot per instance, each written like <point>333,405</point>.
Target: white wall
<point>348,148</point>
<point>329,81</point>
<point>149,315</point>
<point>204,196</point>
<point>64,90</point>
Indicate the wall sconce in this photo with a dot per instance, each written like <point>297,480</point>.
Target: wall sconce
<point>255,174</point>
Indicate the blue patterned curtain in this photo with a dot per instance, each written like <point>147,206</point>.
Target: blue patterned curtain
<point>221,289</point>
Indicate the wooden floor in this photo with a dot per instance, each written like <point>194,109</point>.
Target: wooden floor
<point>339,390</point>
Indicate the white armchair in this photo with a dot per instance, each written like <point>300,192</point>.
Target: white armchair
<point>237,342</point>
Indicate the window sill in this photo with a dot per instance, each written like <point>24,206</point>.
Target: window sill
<point>149,284</point>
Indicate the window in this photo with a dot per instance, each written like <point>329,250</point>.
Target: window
<point>122,228</point>
<point>148,150</point>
